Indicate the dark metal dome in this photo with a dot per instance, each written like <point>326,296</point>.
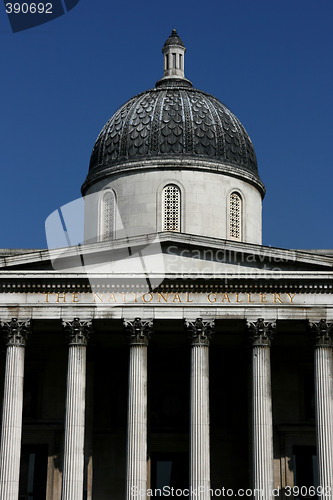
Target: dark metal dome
<point>168,121</point>
<point>173,121</point>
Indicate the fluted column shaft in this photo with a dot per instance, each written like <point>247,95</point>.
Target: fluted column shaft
<point>262,425</point>
<point>262,417</point>
<point>136,459</point>
<point>137,421</point>
<point>324,406</point>
<point>199,431</point>
<point>73,465</point>
<point>10,449</point>
<point>200,333</point>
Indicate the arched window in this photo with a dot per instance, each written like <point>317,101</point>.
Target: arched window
<point>171,208</point>
<point>235,217</point>
<point>107,216</point>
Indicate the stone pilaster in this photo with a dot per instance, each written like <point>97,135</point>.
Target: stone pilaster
<point>16,333</point>
<point>323,337</point>
<point>136,472</point>
<point>261,333</point>
<point>78,332</point>
<point>200,332</point>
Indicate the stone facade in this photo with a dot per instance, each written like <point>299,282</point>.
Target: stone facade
<point>181,359</point>
<point>169,400</point>
<point>205,202</point>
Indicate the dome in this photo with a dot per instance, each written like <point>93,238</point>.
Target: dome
<point>173,120</point>
<point>174,39</point>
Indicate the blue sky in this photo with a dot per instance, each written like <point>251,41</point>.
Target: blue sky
<point>270,62</point>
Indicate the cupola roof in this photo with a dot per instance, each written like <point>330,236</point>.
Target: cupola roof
<point>173,120</point>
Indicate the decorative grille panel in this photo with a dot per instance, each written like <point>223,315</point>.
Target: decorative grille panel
<point>235,217</point>
<point>108,213</point>
<point>171,208</point>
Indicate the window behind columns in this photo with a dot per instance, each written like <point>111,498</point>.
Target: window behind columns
<point>305,469</point>
<point>33,472</point>
<point>235,217</point>
<point>171,470</point>
<point>107,226</point>
<point>171,208</point>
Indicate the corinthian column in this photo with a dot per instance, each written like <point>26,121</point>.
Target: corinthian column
<point>136,472</point>
<point>73,469</point>
<point>262,419</point>
<point>10,451</point>
<point>200,332</point>
<point>322,333</point>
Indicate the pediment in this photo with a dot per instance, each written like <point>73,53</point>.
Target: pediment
<point>169,254</point>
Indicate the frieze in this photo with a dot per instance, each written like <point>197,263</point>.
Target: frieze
<point>166,298</point>
<point>170,298</point>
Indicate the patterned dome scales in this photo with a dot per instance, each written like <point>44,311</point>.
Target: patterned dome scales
<point>173,120</point>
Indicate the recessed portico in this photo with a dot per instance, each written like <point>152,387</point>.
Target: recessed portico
<point>163,377</point>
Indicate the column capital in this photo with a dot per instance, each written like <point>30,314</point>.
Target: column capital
<point>16,332</point>
<point>322,333</point>
<point>78,331</point>
<point>261,332</point>
<point>139,330</point>
<point>200,331</point>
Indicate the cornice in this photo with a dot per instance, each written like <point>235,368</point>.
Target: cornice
<point>41,282</point>
<point>173,163</point>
